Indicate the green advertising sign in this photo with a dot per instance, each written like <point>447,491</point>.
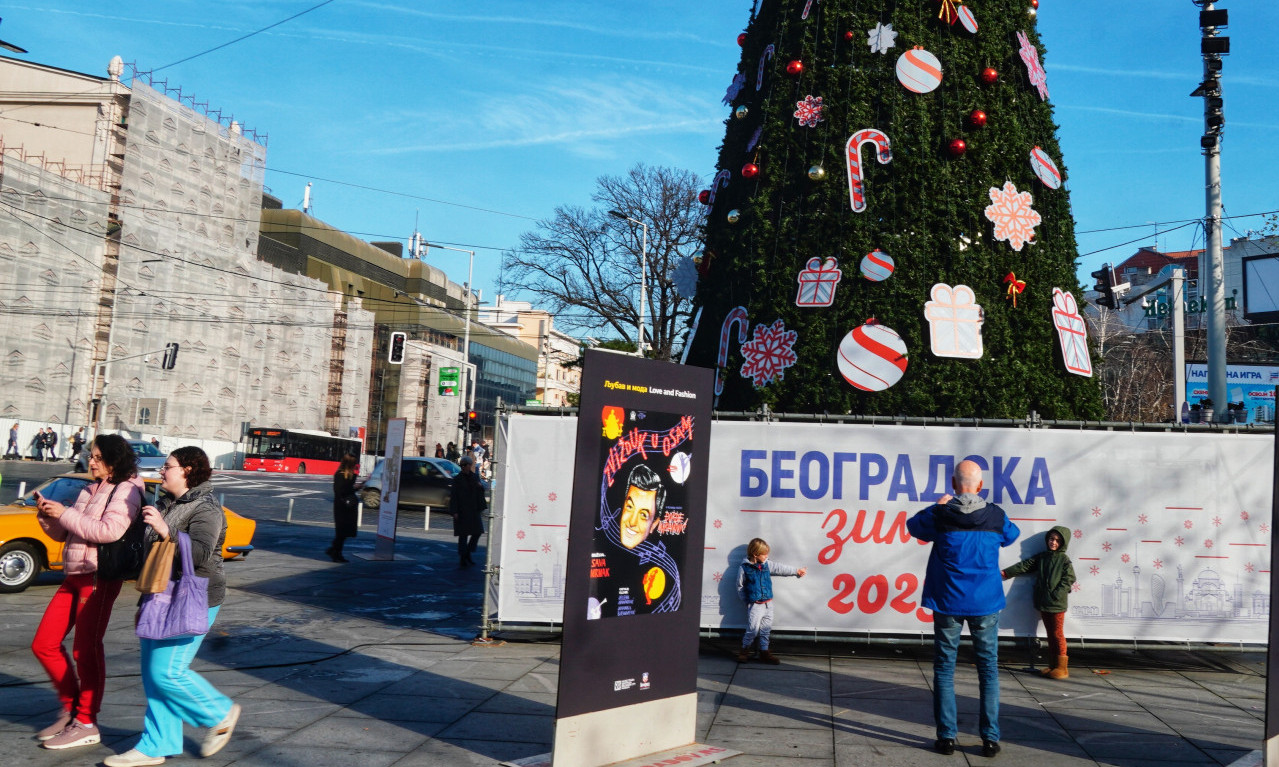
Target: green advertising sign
<point>450,381</point>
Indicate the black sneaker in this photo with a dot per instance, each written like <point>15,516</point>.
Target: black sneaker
<point>989,748</point>
<point>944,746</point>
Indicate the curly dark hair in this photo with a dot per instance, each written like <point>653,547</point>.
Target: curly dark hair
<point>117,456</point>
<point>195,462</point>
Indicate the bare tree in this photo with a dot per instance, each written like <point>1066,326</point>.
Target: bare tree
<point>583,264</point>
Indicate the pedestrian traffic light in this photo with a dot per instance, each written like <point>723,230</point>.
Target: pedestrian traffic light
<point>1105,277</point>
<point>395,355</point>
<point>461,420</point>
<point>170,356</point>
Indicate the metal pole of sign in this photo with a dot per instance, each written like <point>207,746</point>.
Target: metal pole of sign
<point>426,517</point>
<point>359,515</point>
<point>22,489</point>
<point>289,518</point>
<point>1270,748</point>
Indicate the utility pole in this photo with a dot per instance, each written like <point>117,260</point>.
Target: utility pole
<point>1213,47</point>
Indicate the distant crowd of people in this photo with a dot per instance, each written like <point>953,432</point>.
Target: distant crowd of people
<point>44,445</point>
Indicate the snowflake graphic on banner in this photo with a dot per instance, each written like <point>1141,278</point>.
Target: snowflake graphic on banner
<point>532,508</point>
<point>1142,519</point>
<point>1105,546</point>
<point>809,111</point>
<point>1125,559</point>
<point>1250,567</point>
<point>1158,563</point>
<point>1030,55</point>
<point>1179,541</point>
<point>1094,569</point>
<point>735,88</point>
<point>1078,533</point>
<point>718,576</point>
<point>1010,212</point>
<point>552,497</point>
<point>520,535</point>
<point>881,38</point>
<point>769,352</point>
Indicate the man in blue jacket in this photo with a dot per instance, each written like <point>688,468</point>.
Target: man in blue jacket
<point>963,584</point>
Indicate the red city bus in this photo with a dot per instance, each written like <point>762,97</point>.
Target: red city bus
<point>296,451</point>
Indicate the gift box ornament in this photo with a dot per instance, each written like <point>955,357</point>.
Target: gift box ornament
<point>1072,331</point>
<point>817,282</point>
<point>954,322</point>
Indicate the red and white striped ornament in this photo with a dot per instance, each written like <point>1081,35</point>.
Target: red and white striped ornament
<point>883,153</point>
<point>872,357</point>
<point>967,19</point>
<point>918,70</point>
<point>1045,168</point>
<point>877,266</point>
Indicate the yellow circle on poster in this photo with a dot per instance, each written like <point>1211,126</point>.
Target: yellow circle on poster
<point>654,583</point>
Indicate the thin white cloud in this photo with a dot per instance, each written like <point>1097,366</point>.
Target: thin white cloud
<point>1191,76</point>
<point>615,31</point>
<point>1190,119</point>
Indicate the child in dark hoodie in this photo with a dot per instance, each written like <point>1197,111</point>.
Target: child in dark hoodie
<point>1054,575</point>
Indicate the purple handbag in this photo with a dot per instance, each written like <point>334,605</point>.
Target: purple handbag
<point>182,610</point>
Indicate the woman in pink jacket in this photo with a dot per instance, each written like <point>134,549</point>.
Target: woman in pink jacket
<point>100,515</point>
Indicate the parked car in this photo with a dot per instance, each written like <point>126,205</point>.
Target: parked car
<point>423,482</point>
<point>26,550</point>
<point>150,459</point>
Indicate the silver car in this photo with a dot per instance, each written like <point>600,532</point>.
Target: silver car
<point>150,459</point>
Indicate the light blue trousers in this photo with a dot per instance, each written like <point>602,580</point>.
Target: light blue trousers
<point>176,694</point>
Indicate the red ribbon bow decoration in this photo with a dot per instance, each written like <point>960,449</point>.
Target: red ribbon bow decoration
<point>1015,286</point>
<point>949,13</point>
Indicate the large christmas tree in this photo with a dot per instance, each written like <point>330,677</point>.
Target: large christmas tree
<point>888,223</point>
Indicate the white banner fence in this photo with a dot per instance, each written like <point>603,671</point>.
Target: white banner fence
<point>1171,530</point>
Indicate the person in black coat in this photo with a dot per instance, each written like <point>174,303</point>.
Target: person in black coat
<point>467,504</point>
<point>345,506</point>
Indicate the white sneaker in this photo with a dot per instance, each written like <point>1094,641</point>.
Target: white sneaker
<point>218,736</point>
<point>132,758</point>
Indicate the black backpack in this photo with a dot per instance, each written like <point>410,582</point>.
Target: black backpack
<point>121,559</point>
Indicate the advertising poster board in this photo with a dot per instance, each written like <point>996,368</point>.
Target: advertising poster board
<point>632,587</point>
<point>1170,531</point>
<point>1253,385</point>
<point>388,508</point>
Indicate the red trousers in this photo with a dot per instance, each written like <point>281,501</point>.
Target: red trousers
<point>84,604</point>
<point>1055,626</point>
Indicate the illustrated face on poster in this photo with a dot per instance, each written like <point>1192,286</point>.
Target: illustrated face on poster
<point>638,551</point>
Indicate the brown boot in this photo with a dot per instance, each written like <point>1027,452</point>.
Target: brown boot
<point>766,656</point>
<point>744,655</point>
<point>1061,672</point>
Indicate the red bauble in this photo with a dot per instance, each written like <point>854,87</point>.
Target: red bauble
<point>704,196</point>
<point>989,75</point>
<point>741,39</point>
<point>750,170</point>
<point>1034,3</point>
<point>957,147</point>
<point>848,36</point>
<point>795,67</point>
<point>977,118</point>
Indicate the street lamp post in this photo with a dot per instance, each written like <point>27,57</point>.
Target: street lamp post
<point>466,339</point>
<point>643,300</point>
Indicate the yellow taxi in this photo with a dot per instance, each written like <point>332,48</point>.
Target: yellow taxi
<point>25,549</point>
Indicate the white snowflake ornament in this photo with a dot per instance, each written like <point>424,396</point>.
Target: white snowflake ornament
<point>685,278</point>
<point>881,38</point>
<point>1010,212</point>
<point>1034,69</point>
<point>809,111</point>
<point>769,352</point>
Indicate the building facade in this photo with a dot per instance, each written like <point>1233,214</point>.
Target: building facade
<point>559,370</point>
<point>129,221</point>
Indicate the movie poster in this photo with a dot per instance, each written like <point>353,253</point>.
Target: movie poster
<point>638,555</point>
<point>637,528</point>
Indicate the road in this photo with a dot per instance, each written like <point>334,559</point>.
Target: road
<point>256,495</point>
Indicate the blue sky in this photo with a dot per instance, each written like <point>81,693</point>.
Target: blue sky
<point>482,117</point>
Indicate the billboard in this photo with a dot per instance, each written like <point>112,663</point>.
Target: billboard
<point>1261,288</point>
<point>1171,532</point>
<point>633,565</point>
<point>1253,385</point>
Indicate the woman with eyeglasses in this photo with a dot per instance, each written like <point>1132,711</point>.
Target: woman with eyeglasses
<point>101,514</point>
<point>176,694</point>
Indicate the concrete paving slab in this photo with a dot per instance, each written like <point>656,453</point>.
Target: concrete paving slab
<point>776,742</point>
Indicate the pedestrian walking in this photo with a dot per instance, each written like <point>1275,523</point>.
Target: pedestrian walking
<point>451,453</point>
<point>37,445</point>
<point>963,585</point>
<point>755,587</point>
<point>12,449</point>
<point>51,443</point>
<point>176,694</point>
<point>101,514</point>
<point>467,504</point>
<point>439,450</point>
<point>77,444</point>
<point>345,506</point>
<point>1054,575</point>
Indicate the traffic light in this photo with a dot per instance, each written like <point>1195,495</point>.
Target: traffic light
<point>395,354</point>
<point>461,421</point>
<point>1105,277</point>
<point>170,356</point>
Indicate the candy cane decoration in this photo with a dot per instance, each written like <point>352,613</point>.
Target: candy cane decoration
<point>807,7</point>
<point>856,189</point>
<point>737,315</point>
<point>763,59</point>
<point>721,180</point>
